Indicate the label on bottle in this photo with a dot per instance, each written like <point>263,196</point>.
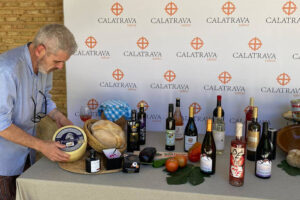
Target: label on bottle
<point>170,137</point>
<point>219,137</point>
<point>95,166</point>
<point>237,162</point>
<point>206,163</point>
<point>189,141</point>
<point>263,168</point>
<point>179,132</point>
<point>252,141</point>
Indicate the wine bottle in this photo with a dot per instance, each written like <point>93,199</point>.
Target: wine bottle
<point>170,130</point>
<point>208,151</point>
<point>237,157</point>
<point>92,163</point>
<point>179,129</point>
<point>190,132</point>
<point>215,113</point>
<point>248,118</point>
<point>142,121</point>
<point>133,133</point>
<point>219,132</point>
<point>253,136</point>
<point>263,158</point>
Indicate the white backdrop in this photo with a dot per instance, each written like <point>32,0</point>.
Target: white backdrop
<point>155,51</point>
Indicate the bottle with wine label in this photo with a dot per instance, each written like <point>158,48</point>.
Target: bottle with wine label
<point>237,158</point>
<point>248,118</point>
<point>190,133</point>
<point>170,130</point>
<point>219,132</point>
<point>133,133</point>
<point>208,151</point>
<point>215,113</point>
<point>179,129</point>
<point>253,136</point>
<point>142,121</point>
<point>263,157</point>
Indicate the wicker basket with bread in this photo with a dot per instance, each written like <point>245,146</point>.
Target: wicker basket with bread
<point>104,134</point>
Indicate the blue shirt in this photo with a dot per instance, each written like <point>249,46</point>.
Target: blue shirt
<point>18,83</point>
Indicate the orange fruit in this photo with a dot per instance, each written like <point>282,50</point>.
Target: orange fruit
<point>182,160</point>
<point>171,165</point>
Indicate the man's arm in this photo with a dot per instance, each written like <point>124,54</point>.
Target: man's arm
<point>48,148</point>
<point>59,118</point>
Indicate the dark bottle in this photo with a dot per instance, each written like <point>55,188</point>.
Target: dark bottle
<point>190,132</point>
<point>170,130</point>
<point>249,115</point>
<point>92,163</point>
<point>253,136</point>
<point>263,158</point>
<point>273,139</point>
<point>208,151</point>
<point>219,102</point>
<point>133,133</point>
<point>142,120</point>
<point>237,158</point>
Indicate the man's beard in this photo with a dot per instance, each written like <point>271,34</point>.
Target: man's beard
<point>42,66</point>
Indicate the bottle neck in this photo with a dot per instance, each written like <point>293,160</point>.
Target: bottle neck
<point>218,103</point>
<point>170,114</point>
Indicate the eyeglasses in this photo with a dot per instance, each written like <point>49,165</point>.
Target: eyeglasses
<point>38,116</point>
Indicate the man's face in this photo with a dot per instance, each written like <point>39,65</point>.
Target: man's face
<point>51,62</point>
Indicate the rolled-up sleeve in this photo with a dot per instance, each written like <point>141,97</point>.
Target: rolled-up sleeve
<point>50,103</point>
<point>7,99</point>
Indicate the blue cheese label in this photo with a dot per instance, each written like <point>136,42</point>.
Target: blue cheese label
<point>71,137</point>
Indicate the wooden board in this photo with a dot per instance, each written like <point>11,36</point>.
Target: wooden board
<point>79,166</point>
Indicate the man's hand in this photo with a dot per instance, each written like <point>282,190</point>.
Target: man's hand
<point>52,151</point>
<point>59,118</point>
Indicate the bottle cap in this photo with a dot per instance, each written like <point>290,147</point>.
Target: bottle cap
<point>209,125</point>
<point>255,110</point>
<point>191,111</point>
<point>177,102</point>
<point>142,105</point>
<point>251,101</point>
<point>219,97</point>
<point>239,129</point>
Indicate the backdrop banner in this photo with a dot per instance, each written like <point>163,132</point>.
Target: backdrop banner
<point>155,51</point>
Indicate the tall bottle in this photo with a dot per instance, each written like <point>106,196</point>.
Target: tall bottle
<point>219,132</point>
<point>263,158</point>
<point>237,157</point>
<point>179,129</point>
<point>208,151</point>
<point>170,130</point>
<point>253,136</point>
<point>219,102</point>
<point>133,133</point>
<point>248,118</point>
<point>142,120</point>
<point>190,133</point>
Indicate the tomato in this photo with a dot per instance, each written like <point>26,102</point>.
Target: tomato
<point>182,160</point>
<point>194,152</point>
<point>171,165</point>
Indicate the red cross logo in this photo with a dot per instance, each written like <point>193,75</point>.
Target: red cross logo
<point>224,77</point>
<point>93,104</point>
<point>255,44</point>
<point>289,8</point>
<point>90,42</point>
<point>146,105</point>
<point>118,74</point>
<point>117,9</point>
<point>171,8</point>
<point>283,79</point>
<point>169,76</point>
<point>228,8</point>
<point>142,43</point>
<point>197,43</point>
<point>197,107</point>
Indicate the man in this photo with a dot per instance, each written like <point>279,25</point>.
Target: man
<point>25,82</point>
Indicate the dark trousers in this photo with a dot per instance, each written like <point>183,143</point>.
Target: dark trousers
<point>8,184</point>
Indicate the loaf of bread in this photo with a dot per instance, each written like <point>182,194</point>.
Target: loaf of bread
<point>108,134</point>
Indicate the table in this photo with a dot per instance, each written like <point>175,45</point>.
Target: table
<point>45,180</point>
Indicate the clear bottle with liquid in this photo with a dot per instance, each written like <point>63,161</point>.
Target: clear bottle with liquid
<point>219,132</point>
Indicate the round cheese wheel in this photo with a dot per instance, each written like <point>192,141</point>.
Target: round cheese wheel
<point>75,140</point>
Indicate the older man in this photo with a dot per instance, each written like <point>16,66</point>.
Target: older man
<point>25,82</point>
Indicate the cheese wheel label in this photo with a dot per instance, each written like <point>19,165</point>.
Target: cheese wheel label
<point>71,137</point>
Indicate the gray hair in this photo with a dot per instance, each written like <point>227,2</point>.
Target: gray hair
<point>56,37</point>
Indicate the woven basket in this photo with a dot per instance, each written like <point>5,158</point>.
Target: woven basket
<point>92,141</point>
